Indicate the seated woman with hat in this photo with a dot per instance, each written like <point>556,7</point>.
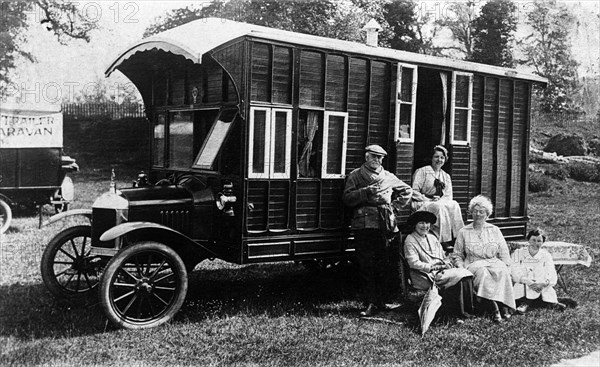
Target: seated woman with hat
<point>428,266</point>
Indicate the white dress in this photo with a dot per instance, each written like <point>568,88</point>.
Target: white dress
<point>446,209</point>
<point>487,257</point>
<point>538,268</point>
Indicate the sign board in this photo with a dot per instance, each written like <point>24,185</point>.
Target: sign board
<point>31,129</point>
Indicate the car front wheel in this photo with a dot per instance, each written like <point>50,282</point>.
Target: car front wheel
<point>143,285</point>
<point>68,270</point>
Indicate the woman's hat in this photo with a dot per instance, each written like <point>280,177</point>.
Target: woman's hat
<point>421,216</point>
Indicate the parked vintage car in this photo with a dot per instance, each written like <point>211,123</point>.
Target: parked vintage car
<point>253,132</point>
<point>33,167</point>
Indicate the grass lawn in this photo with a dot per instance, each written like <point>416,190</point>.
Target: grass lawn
<point>283,314</point>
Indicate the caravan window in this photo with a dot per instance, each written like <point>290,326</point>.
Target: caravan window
<point>270,142</point>
<point>335,134</point>
<point>211,143</point>
<point>406,102</point>
<point>322,139</point>
<point>158,141</point>
<point>181,139</point>
<point>461,108</point>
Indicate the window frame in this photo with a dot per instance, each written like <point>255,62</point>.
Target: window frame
<point>268,168</point>
<point>453,108</point>
<point>203,165</point>
<point>399,102</point>
<point>324,158</point>
<point>165,125</point>
<point>288,144</point>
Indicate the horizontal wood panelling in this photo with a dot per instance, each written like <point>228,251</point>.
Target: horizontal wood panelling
<point>490,110</point>
<point>260,74</point>
<point>379,121</point>
<point>335,83</point>
<point>279,204</point>
<point>213,82</point>
<point>520,145</point>
<point>258,195</point>
<point>460,174</point>
<point>502,161</point>
<point>307,204</point>
<point>231,58</point>
<point>178,87</point>
<point>311,78</point>
<point>403,169</point>
<point>357,110</point>
<point>282,75</point>
<point>476,130</point>
<point>332,208</point>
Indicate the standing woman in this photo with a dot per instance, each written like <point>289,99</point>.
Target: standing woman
<point>481,249</point>
<point>432,191</point>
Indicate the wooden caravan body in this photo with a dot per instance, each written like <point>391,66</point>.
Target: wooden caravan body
<point>286,116</point>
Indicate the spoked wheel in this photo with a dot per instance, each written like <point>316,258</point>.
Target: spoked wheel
<point>143,286</point>
<point>68,270</point>
<point>5,216</point>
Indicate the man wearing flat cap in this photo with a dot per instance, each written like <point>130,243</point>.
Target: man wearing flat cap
<point>373,193</point>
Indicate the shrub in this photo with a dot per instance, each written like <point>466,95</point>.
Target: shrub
<point>582,171</point>
<point>539,182</point>
<point>559,172</point>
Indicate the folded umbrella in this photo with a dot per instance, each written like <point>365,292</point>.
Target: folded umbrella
<point>431,303</point>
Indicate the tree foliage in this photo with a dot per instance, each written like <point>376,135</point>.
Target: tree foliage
<point>459,21</point>
<point>547,49</point>
<point>323,18</point>
<point>493,34</point>
<point>62,18</point>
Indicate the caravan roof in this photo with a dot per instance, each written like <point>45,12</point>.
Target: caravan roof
<point>194,39</point>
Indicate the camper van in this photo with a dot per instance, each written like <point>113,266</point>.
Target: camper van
<point>253,131</point>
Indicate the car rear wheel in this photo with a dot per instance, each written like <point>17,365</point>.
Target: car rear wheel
<point>5,216</point>
<point>143,286</point>
<point>68,270</point>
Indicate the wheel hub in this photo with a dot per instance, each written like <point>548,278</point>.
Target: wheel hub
<point>143,285</point>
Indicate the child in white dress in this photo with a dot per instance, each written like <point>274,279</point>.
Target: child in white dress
<point>533,273</point>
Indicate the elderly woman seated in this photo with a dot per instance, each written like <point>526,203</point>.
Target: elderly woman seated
<point>481,249</point>
<point>428,266</point>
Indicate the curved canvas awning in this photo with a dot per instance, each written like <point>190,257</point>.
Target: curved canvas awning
<point>194,39</point>
<point>190,40</point>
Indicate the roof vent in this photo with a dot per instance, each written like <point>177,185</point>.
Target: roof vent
<point>372,28</point>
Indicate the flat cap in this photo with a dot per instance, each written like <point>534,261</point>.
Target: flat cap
<point>376,149</point>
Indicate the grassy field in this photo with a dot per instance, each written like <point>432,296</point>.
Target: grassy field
<point>283,314</point>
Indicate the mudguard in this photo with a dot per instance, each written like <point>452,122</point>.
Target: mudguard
<point>69,213</point>
<point>129,227</point>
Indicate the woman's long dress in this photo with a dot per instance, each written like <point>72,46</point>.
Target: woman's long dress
<point>421,254</point>
<point>446,209</point>
<point>487,257</point>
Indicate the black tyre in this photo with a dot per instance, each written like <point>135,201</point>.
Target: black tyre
<point>143,286</point>
<point>67,269</point>
<point>5,216</point>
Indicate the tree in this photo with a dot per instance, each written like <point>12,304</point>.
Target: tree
<point>321,18</point>
<point>547,50</point>
<point>493,34</point>
<point>62,18</point>
<point>401,18</point>
<point>459,21</point>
